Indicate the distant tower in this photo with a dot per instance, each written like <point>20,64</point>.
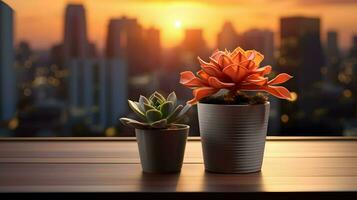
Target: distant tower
<point>301,52</point>
<point>194,42</point>
<point>76,54</point>
<point>7,71</point>
<point>301,55</point>
<point>262,41</point>
<point>228,37</point>
<point>125,40</point>
<point>353,50</point>
<point>333,58</point>
<point>114,72</point>
<point>153,48</point>
<point>332,51</point>
<point>75,42</point>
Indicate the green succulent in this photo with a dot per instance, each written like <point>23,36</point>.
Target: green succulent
<point>157,111</point>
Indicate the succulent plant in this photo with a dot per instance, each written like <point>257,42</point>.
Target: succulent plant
<point>234,71</point>
<point>157,111</point>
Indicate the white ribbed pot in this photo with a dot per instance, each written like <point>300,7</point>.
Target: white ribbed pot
<point>233,136</point>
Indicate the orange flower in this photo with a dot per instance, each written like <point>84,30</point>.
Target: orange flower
<point>237,70</point>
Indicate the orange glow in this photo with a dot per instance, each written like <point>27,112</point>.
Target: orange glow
<point>32,16</point>
<point>178,24</point>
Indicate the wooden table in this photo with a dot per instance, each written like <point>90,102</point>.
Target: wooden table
<point>112,165</point>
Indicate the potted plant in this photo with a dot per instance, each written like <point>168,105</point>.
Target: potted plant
<point>161,141</point>
<point>233,124</point>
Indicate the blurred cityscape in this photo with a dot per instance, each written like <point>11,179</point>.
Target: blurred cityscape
<point>73,89</point>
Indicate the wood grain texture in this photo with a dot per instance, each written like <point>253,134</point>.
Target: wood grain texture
<point>113,166</point>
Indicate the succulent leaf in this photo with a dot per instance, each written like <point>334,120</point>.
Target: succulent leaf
<point>153,115</point>
<point>135,107</point>
<point>183,112</point>
<point>159,124</point>
<point>171,118</point>
<point>166,108</point>
<point>148,107</point>
<point>155,101</point>
<point>172,97</point>
<point>135,124</point>
<point>143,100</point>
<point>162,98</point>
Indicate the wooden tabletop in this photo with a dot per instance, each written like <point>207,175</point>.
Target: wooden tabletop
<point>105,165</point>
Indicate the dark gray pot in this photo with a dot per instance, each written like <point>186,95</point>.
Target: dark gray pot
<point>233,136</point>
<point>162,150</point>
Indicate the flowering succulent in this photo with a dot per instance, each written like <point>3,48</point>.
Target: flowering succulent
<point>238,70</point>
<point>157,111</point>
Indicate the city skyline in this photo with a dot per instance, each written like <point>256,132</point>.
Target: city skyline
<point>188,14</point>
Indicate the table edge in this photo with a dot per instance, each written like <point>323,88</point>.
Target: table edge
<point>269,138</point>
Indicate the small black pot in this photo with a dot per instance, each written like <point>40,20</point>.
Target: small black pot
<point>162,150</point>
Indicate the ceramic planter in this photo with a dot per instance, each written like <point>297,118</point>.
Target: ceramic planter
<point>233,136</point>
<point>162,150</point>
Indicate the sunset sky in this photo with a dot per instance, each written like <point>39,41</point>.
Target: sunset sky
<point>41,21</point>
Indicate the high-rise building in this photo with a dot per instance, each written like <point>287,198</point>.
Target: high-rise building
<point>77,52</point>
<point>125,40</point>
<point>333,58</point>
<point>332,49</point>
<point>228,38</point>
<point>301,55</point>
<point>301,52</point>
<point>262,41</point>
<point>194,43</point>
<point>75,41</point>
<point>112,91</point>
<point>153,48</point>
<point>353,50</point>
<point>7,71</point>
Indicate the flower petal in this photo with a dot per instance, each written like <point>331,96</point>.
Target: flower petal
<point>262,71</point>
<point>231,71</point>
<point>256,80</point>
<point>212,71</point>
<point>238,57</point>
<point>200,93</point>
<point>224,61</point>
<point>203,63</point>
<point>241,73</point>
<point>280,78</point>
<point>249,64</point>
<point>203,75</point>
<point>188,79</point>
<point>215,83</point>
<point>255,56</point>
<point>216,55</point>
<point>279,91</point>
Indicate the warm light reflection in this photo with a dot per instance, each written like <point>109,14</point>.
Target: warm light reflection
<point>178,24</point>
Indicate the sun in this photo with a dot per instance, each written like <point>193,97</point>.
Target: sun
<point>178,24</point>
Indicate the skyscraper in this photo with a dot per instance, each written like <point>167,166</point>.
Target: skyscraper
<point>112,90</point>
<point>301,55</point>
<point>301,51</point>
<point>353,50</point>
<point>194,43</point>
<point>228,37</point>
<point>262,41</point>
<point>7,71</point>
<point>153,48</point>
<point>332,49</point>
<point>75,41</point>
<point>77,59</point>
<point>125,40</point>
<point>333,58</point>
